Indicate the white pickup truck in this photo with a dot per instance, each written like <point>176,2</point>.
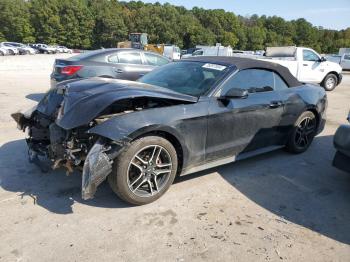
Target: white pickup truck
<point>306,65</point>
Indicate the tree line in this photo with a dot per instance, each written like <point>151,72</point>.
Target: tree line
<point>89,24</point>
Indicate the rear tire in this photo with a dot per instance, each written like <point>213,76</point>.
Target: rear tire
<point>144,171</point>
<point>303,133</point>
<point>330,82</point>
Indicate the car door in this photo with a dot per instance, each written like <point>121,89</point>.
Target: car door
<point>311,69</point>
<point>128,65</point>
<point>239,125</point>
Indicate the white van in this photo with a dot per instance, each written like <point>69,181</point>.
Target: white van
<point>172,51</point>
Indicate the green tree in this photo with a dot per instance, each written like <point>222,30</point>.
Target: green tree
<point>256,38</point>
<point>2,37</point>
<point>15,21</point>
<point>109,23</point>
<point>229,39</point>
<point>76,24</point>
<point>46,21</point>
<point>96,23</point>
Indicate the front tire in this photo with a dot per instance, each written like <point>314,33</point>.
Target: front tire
<point>330,82</point>
<point>144,171</point>
<point>303,133</point>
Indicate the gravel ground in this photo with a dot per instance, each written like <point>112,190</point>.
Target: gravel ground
<point>272,207</point>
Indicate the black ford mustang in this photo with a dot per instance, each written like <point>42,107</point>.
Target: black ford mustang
<point>181,118</point>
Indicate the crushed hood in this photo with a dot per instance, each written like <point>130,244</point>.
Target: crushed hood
<point>84,100</point>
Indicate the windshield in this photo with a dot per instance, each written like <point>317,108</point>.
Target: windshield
<point>190,78</point>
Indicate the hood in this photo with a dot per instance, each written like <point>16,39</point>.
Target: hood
<point>84,100</point>
<point>333,66</point>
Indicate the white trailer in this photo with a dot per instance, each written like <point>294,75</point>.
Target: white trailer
<point>217,50</point>
<point>172,51</point>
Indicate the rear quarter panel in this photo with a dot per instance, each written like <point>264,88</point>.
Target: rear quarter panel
<point>303,98</point>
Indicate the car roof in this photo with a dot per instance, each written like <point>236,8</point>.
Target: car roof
<point>242,63</point>
<point>102,52</point>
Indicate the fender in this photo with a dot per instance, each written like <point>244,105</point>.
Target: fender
<point>122,129</point>
<point>184,122</point>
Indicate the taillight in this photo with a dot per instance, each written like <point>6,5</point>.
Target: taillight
<point>70,70</point>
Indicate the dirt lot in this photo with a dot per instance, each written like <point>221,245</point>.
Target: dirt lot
<point>270,208</point>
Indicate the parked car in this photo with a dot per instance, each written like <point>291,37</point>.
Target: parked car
<point>3,51</point>
<point>345,61</point>
<point>63,49</point>
<point>129,64</point>
<point>182,117</point>
<point>22,48</point>
<point>35,47</point>
<point>188,53</point>
<point>45,49</point>
<point>198,52</point>
<point>55,49</point>
<point>10,49</point>
<point>306,65</point>
<point>342,145</point>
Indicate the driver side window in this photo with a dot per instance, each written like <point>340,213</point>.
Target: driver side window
<point>308,55</point>
<point>253,80</point>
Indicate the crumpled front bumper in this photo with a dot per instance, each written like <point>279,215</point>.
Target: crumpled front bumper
<point>97,167</point>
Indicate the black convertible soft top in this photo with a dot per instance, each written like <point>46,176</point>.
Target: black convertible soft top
<point>246,63</point>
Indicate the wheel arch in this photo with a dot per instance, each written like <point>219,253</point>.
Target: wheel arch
<point>314,110</point>
<point>334,73</point>
<point>169,134</point>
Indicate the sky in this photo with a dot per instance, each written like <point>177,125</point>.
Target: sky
<point>331,14</point>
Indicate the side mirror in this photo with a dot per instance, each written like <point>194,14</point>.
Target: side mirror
<point>235,93</point>
<point>323,59</point>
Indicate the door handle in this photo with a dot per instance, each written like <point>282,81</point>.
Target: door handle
<point>118,71</point>
<point>276,104</point>
<point>305,64</point>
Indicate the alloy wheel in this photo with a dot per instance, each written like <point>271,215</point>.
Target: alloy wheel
<point>330,83</point>
<point>305,132</point>
<point>149,171</point>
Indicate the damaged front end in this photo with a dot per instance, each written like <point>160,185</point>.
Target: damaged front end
<point>52,147</point>
<point>58,128</point>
